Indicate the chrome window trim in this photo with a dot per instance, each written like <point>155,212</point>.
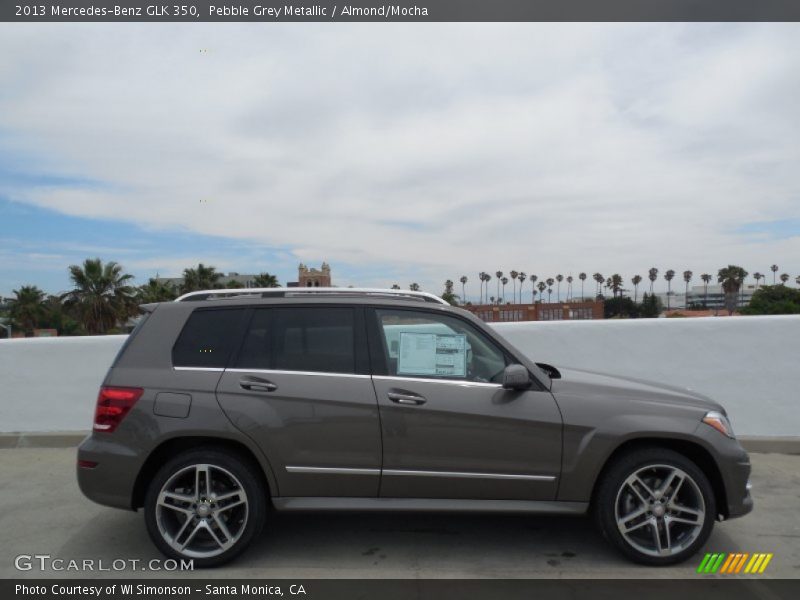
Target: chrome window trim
<point>313,373</point>
<point>207,369</point>
<point>333,470</point>
<point>459,382</point>
<point>467,475</point>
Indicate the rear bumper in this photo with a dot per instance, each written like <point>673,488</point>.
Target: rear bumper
<point>111,481</point>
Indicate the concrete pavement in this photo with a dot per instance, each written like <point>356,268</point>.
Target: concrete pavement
<point>43,512</point>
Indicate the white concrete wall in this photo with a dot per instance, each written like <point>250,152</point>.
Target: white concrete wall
<point>750,364</point>
<point>51,384</point>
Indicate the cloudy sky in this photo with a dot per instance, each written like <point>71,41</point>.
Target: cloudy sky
<point>398,152</point>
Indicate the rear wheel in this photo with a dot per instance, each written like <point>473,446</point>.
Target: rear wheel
<point>656,506</point>
<point>205,505</point>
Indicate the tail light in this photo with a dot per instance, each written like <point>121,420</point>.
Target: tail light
<point>113,403</point>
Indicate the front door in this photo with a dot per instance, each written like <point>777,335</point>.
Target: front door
<point>300,387</point>
<point>449,428</point>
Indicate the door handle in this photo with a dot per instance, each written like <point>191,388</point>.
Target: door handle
<point>406,398</point>
<point>254,384</point>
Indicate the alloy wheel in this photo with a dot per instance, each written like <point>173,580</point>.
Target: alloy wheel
<point>660,510</point>
<point>202,511</point>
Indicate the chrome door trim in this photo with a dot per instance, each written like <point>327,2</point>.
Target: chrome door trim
<point>435,380</point>
<point>467,475</point>
<point>333,470</point>
<point>313,373</point>
<point>206,369</point>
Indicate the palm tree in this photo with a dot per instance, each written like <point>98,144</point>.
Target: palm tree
<point>156,291</point>
<point>514,275</point>
<point>569,287</point>
<point>757,276</point>
<point>504,281</point>
<point>559,279</point>
<point>797,280</point>
<point>731,278</point>
<point>549,293</point>
<point>542,287</point>
<point>582,277</point>
<point>784,278</point>
<point>265,280</point>
<point>499,276</point>
<point>201,278</point>
<point>652,275</point>
<point>448,295</point>
<point>414,287</point>
<point>636,280</point>
<point>481,276</point>
<point>669,275</point>
<point>26,309</point>
<point>522,277</point>
<point>463,281</point>
<point>533,279</point>
<point>706,280</point>
<point>774,269</point>
<point>687,277</point>
<point>550,281</point>
<point>616,284</point>
<point>598,277</point>
<point>102,296</point>
<point>487,277</point>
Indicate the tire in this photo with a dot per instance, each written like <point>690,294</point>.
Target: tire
<point>663,502</point>
<point>210,525</point>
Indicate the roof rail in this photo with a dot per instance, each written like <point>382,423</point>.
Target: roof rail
<point>301,291</point>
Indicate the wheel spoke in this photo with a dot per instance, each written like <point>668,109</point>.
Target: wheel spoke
<point>624,522</point>
<point>645,486</point>
<point>191,535</point>
<point>202,477</point>
<point>212,533</point>
<point>223,528</point>
<point>668,483</point>
<point>183,528</point>
<point>675,519</point>
<point>636,491</point>
<point>658,538</point>
<point>679,508</point>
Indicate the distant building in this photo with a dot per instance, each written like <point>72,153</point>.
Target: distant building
<point>697,298</point>
<point>310,277</point>
<point>555,311</point>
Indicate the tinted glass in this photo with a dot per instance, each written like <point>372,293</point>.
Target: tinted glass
<point>207,338</point>
<point>256,351</point>
<point>419,344</point>
<point>313,339</point>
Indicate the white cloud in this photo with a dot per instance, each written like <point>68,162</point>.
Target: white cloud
<point>434,150</point>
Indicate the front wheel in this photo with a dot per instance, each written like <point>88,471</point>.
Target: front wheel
<point>206,505</point>
<point>656,506</point>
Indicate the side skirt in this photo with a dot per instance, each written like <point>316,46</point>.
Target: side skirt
<point>429,504</point>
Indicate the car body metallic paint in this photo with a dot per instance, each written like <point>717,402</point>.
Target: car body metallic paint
<point>348,424</point>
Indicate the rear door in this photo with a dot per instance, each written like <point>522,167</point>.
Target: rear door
<point>300,387</point>
<point>449,428</point>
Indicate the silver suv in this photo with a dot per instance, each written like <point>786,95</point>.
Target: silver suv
<point>225,404</point>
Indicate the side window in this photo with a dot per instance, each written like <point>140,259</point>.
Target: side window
<point>313,339</point>
<point>207,339</point>
<point>421,344</point>
<point>256,351</point>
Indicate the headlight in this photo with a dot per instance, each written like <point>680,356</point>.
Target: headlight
<point>719,422</point>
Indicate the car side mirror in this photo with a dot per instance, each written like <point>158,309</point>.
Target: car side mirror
<point>516,377</point>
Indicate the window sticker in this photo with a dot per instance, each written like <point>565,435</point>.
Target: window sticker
<point>444,355</point>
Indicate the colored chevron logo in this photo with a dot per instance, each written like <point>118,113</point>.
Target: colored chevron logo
<point>734,563</point>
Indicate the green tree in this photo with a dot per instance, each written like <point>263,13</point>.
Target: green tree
<point>774,300</point>
<point>102,296</point>
<point>652,275</point>
<point>650,307</point>
<point>731,278</point>
<point>200,278</point>
<point>26,309</point>
<point>414,287</point>
<point>57,317</point>
<point>266,280</point>
<point>448,295</point>
<point>620,308</point>
<point>636,280</point>
<point>156,291</point>
<point>616,284</point>
<point>669,275</point>
<point>784,278</point>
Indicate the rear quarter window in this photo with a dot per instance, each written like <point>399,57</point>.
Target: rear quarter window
<point>208,338</point>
